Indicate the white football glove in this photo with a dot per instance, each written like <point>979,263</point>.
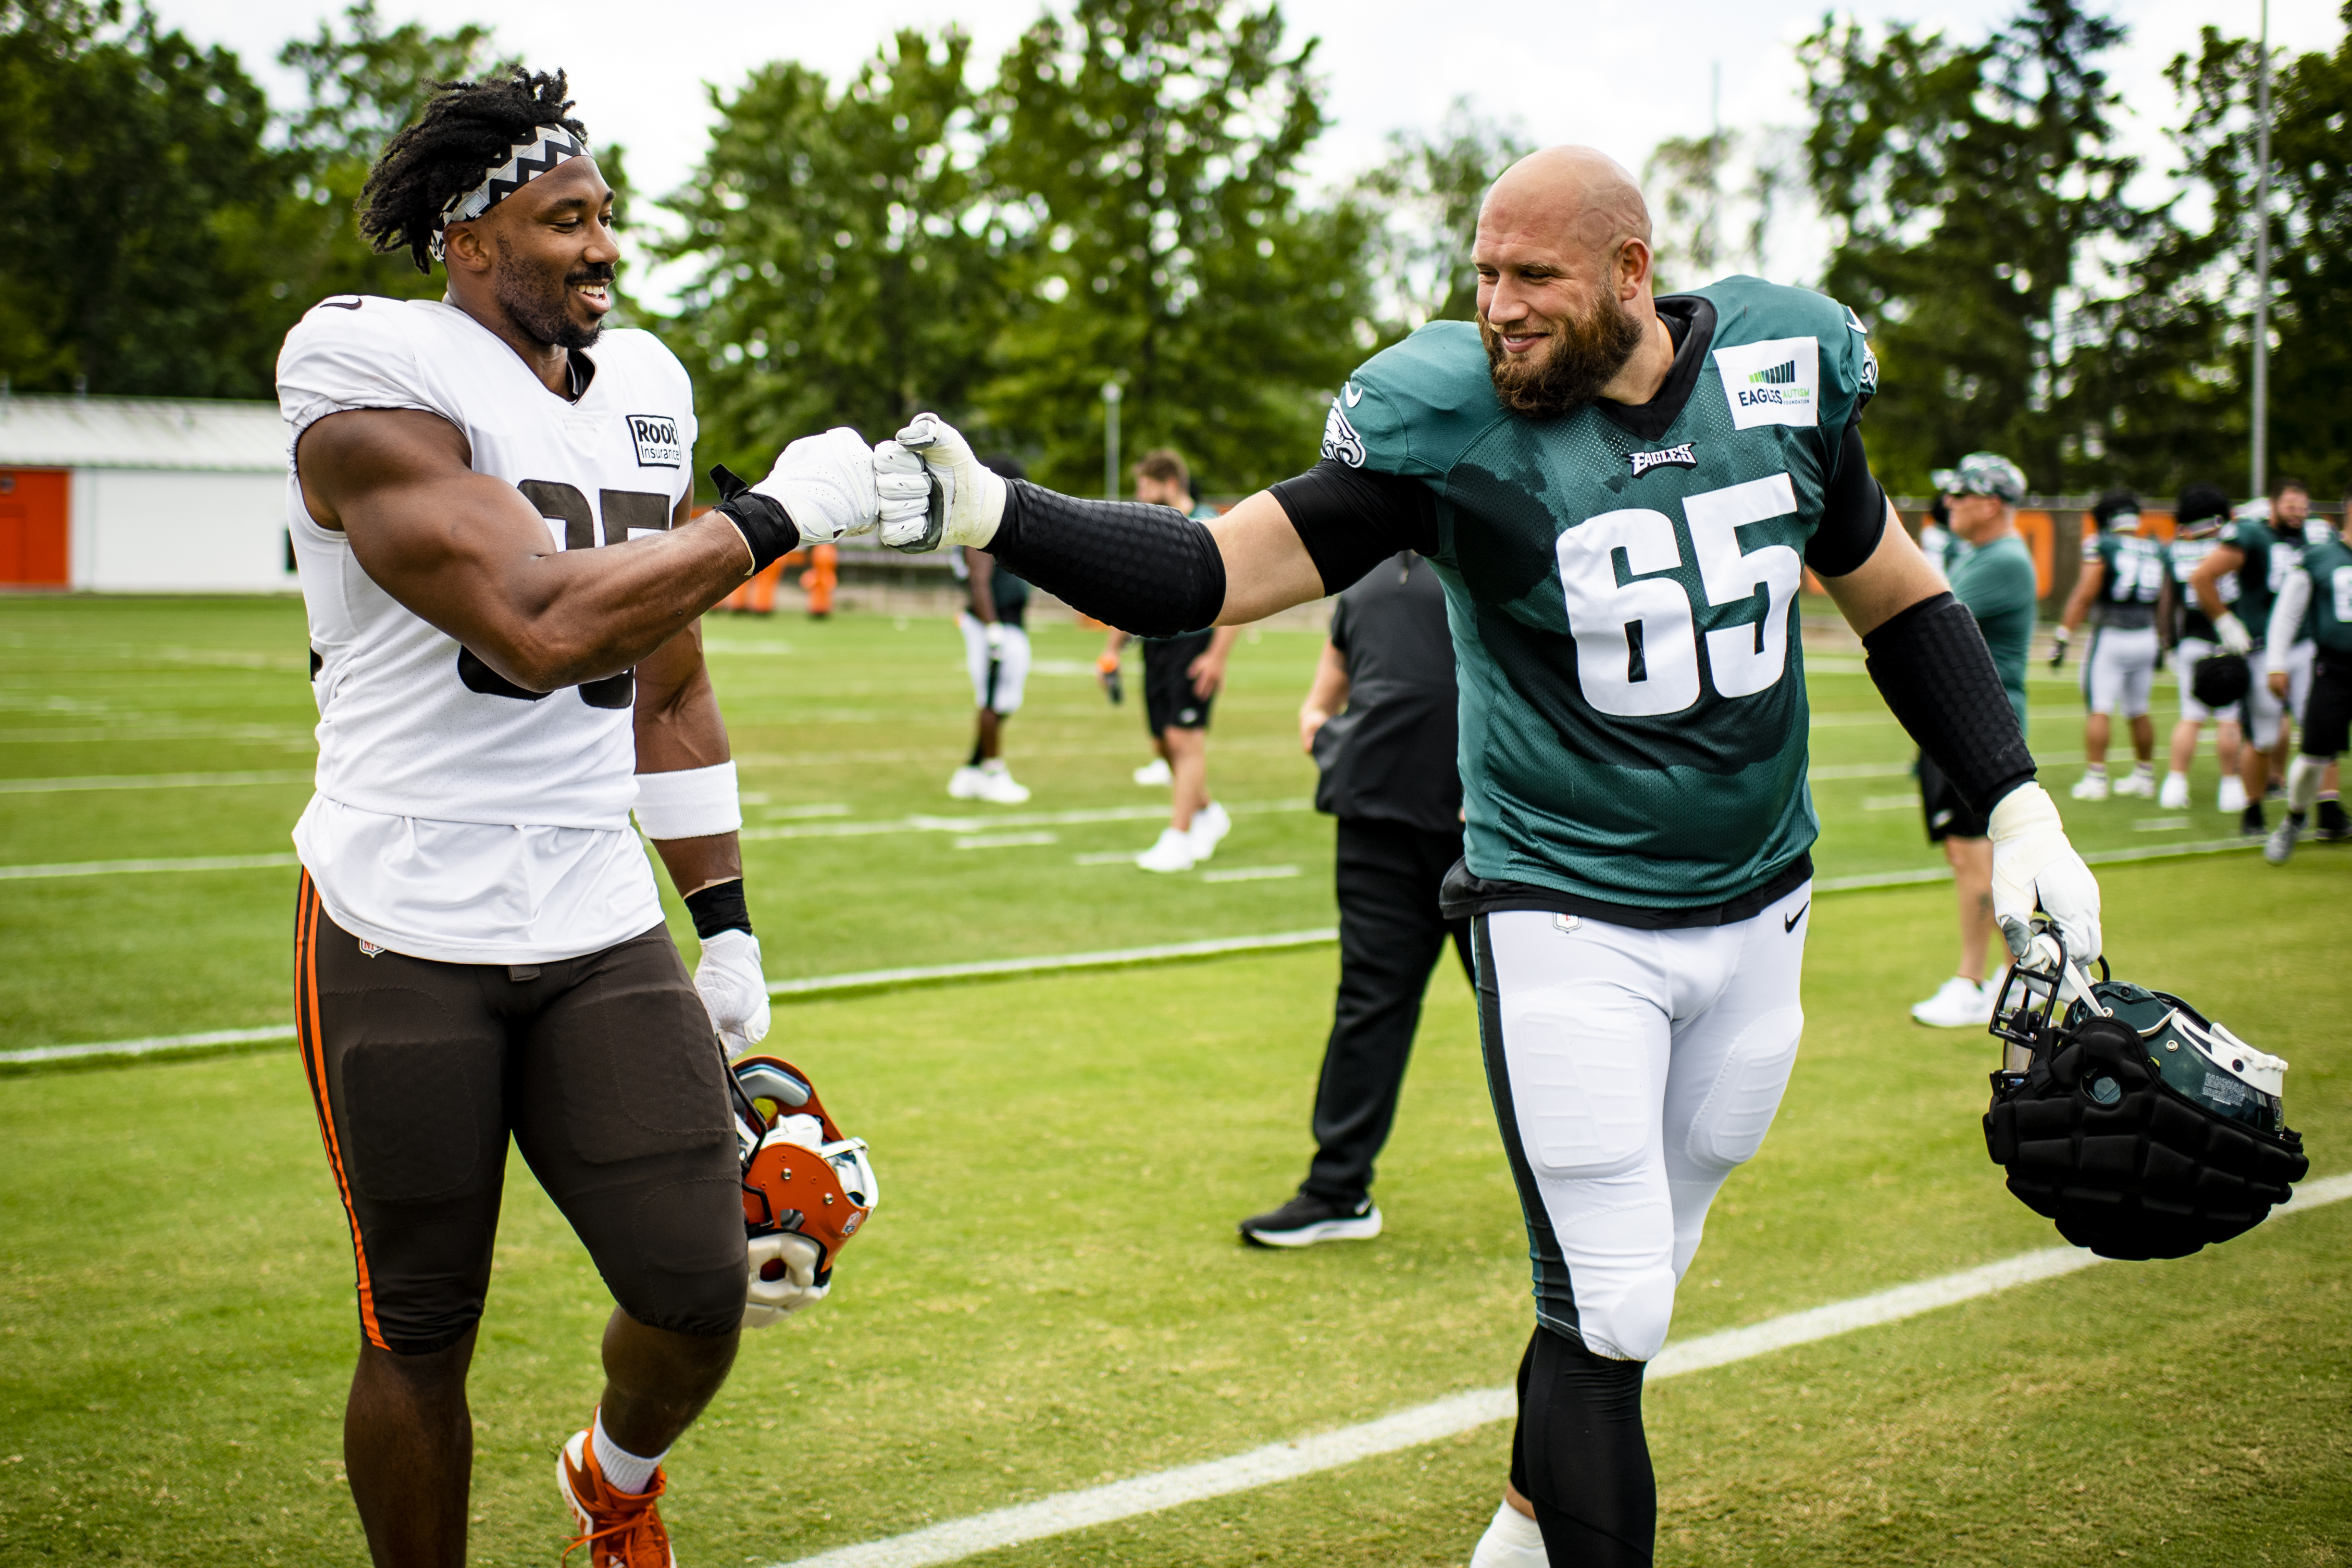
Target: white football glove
<point>913,499</point>
<point>826,483</point>
<point>995,636</point>
<point>2232,632</point>
<point>2033,864</point>
<point>793,1260</point>
<point>733,989</point>
<point>974,493</point>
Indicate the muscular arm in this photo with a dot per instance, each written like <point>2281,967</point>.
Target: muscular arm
<point>1895,577</point>
<point>2206,580</point>
<point>982,567</point>
<point>468,552</point>
<point>679,727</point>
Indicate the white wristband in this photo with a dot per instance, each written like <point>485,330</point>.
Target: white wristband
<point>693,803</point>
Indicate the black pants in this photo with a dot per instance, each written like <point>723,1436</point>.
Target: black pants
<point>1390,935</point>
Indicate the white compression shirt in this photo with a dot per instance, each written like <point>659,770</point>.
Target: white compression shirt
<point>457,816</point>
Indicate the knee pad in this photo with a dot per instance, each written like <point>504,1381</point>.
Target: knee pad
<point>1625,1318</point>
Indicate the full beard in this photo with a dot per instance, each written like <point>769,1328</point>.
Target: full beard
<point>1586,355</point>
<point>546,315</point>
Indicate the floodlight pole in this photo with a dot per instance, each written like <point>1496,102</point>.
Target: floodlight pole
<point>1110,440</point>
<point>2262,408</point>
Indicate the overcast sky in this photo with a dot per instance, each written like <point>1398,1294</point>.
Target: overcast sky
<point>1620,78</point>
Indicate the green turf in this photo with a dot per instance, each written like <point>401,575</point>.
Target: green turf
<point>1051,1294</point>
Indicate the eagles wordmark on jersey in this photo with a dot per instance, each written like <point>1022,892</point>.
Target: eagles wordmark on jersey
<point>1622,585</point>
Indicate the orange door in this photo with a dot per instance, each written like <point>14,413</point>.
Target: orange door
<point>33,527</point>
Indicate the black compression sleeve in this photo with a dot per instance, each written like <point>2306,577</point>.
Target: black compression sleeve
<point>1351,520</point>
<point>1148,570</point>
<point>1853,512</point>
<point>1931,664</point>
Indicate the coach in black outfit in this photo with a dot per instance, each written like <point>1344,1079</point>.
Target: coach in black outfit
<point>1389,776</point>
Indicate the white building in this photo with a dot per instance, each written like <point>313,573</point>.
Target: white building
<point>147,495</point>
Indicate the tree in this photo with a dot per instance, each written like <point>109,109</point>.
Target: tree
<point>1426,198</point>
<point>845,266</point>
<point>1145,154</point>
<point>1969,187</point>
<point>138,179</point>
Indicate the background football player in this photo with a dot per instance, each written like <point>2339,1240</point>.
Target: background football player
<point>1633,730</point>
<point>996,657</point>
<point>2198,515</point>
<point>491,526</point>
<point>2318,594</point>
<point>2126,586</point>
<point>2259,547</point>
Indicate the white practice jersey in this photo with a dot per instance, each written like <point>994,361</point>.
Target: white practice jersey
<point>418,739</point>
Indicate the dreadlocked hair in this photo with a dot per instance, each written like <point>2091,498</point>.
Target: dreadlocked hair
<point>466,129</point>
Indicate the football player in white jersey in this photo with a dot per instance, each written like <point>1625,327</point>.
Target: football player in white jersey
<point>490,508</point>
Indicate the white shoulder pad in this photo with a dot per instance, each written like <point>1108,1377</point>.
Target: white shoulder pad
<point>354,351</point>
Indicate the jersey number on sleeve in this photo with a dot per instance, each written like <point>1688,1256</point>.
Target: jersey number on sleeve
<point>1637,642</point>
<point>559,502</point>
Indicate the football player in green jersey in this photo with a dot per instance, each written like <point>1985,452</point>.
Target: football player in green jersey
<point>1620,496</point>
<point>2127,586</point>
<point>2261,546</point>
<point>2317,594</point>
<point>2198,516</point>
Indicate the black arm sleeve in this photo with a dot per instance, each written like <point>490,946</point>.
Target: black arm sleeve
<point>1853,512</point>
<point>1931,664</point>
<point>1350,521</point>
<point>1148,570</point>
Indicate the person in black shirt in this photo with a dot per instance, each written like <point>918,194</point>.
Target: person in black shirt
<point>1389,776</point>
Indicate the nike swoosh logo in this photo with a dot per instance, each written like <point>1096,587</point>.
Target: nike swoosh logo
<point>1791,923</point>
<point>340,305</point>
<point>1351,395</point>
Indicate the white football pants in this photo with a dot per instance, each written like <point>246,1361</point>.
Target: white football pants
<point>1011,664</point>
<point>2265,711</point>
<point>2119,670</point>
<point>1633,1071</point>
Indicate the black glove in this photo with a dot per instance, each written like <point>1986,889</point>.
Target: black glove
<point>764,524</point>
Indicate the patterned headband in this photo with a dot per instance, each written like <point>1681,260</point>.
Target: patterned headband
<point>550,147</point>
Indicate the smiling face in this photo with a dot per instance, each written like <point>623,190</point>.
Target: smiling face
<point>2288,512</point>
<point>546,255</point>
<point>1563,260</point>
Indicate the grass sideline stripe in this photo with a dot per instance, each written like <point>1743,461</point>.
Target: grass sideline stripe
<point>953,1541</point>
<point>149,781</point>
<point>1875,879</point>
<point>1052,964</point>
<point>125,867</point>
<point>144,1047</point>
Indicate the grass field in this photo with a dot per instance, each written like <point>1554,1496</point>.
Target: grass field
<point>1051,1295</point>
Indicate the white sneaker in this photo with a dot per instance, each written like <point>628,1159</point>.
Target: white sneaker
<point>2175,796</point>
<point>998,787</point>
<point>965,783</point>
<point>2232,798</point>
<point>1173,852</point>
<point>1956,1004</point>
<point>2091,786</point>
<point>1210,825</point>
<point>1154,773</point>
<point>2140,781</point>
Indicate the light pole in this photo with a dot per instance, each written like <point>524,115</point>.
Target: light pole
<point>1110,440</point>
<point>2262,409</point>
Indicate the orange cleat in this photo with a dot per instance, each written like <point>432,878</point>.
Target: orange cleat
<point>621,1530</point>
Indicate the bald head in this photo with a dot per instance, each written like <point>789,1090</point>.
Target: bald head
<point>1568,198</point>
<point>1563,259</point>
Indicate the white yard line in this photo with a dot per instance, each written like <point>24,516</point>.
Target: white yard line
<point>149,781</point>
<point>124,867</point>
<point>951,1541</point>
<point>994,821</point>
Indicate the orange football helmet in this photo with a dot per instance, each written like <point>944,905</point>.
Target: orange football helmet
<point>800,1174</point>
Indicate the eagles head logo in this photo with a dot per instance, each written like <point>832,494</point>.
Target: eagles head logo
<point>1339,438</point>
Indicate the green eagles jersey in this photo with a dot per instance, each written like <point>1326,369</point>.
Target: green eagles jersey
<point>2270,557</point>
<point>2330,565</point>
<point>2133,572</point>
<point>1623,604</point>
<point>1997,583</point>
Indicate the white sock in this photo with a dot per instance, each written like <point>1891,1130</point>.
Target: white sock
<point>1512,1540</point>
<point>2302,778</point>
<point>2098,768</point>
<point>2148,768</point>
<point>622,1470</point>
<point>993,765</point>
